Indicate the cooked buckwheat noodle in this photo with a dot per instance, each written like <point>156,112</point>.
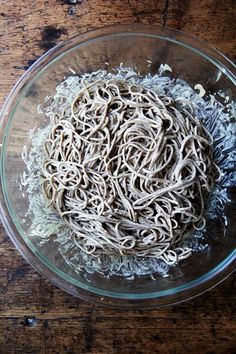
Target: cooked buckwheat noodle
<point>128,170</point>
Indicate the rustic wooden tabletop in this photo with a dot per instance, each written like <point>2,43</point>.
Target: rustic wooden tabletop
<point>35,316</point>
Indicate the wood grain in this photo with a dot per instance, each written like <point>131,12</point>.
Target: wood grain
<point>36,317</point>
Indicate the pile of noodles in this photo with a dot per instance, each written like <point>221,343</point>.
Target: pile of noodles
<point>128,170</point>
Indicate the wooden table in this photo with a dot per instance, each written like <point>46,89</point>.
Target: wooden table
<point>35,316</point>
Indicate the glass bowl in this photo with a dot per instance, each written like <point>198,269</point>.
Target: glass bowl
<point>133,45</point>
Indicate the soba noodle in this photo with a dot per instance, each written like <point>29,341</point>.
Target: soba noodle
<point>128,170</point>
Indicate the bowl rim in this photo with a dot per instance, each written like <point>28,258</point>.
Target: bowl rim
<point>77,288</point>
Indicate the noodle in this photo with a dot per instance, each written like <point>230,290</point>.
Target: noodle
<point>128,171</point>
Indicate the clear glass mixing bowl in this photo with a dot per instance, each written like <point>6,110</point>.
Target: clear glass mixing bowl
<point>191,60</point>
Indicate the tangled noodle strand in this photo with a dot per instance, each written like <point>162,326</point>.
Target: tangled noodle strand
<point>128,170</point>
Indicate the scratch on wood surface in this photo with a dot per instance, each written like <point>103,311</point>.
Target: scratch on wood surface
<point>165,12</point>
